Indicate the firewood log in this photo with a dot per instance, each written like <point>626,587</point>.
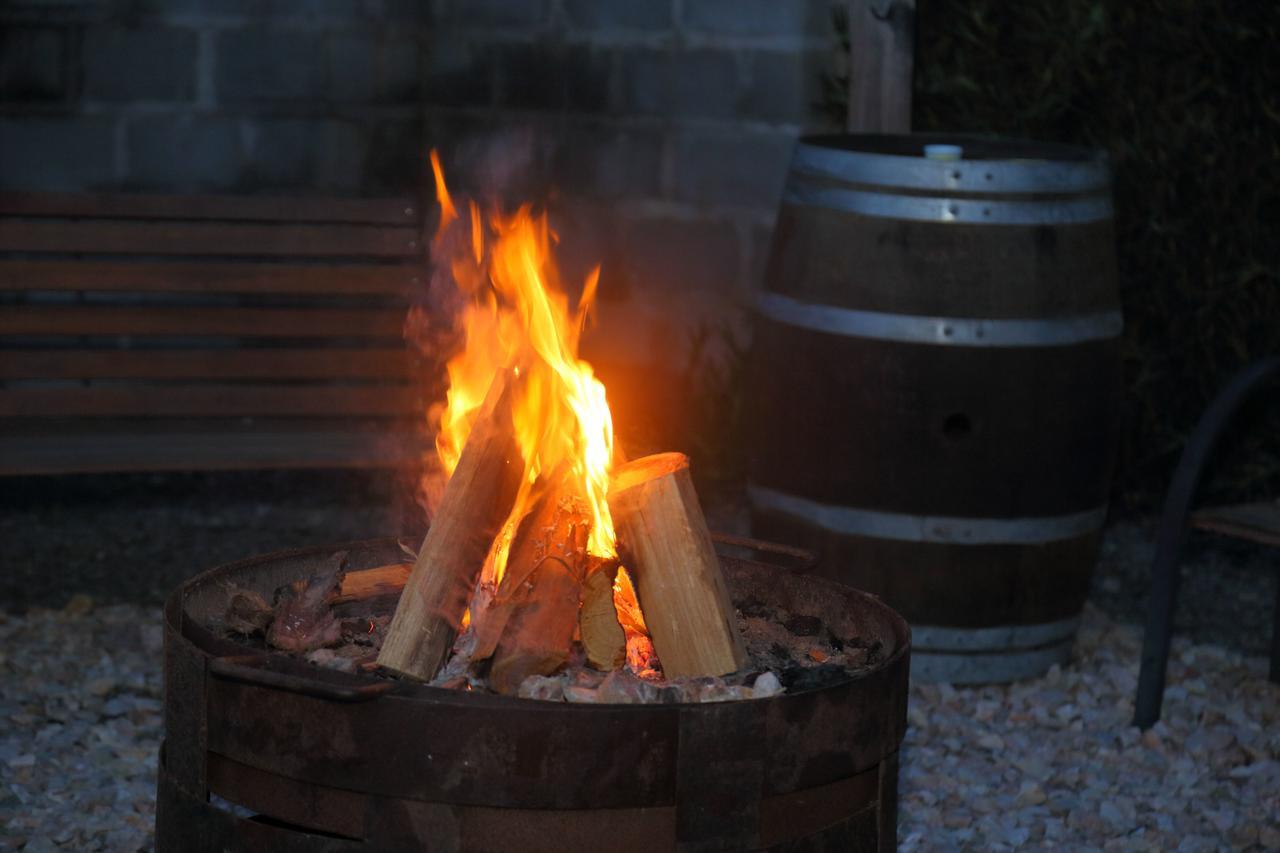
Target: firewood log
<point>664,540</point>
<point>542,588</point>
<point>371,583</point>
<point>602,636</point>
<point>476,502</point>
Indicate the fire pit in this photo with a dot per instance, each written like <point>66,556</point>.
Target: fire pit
<point>322,760</point>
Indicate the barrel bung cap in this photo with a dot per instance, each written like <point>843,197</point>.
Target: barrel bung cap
<point>943,152</point>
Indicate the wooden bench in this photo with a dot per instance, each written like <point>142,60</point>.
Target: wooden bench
<point>142,332</point>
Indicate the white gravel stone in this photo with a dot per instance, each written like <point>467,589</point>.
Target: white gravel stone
<point>1059,756</point>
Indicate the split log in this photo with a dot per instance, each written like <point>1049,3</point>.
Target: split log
<point>491,606</point>
<point>603,638</point>
<point>372,583</point>
<point>641,657</point>
<point>476,502</point>
<point>543,588</point>
<point>667,545</point>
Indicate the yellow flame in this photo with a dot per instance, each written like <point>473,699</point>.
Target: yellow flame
<point>447,211</point>
<point>518,315</point>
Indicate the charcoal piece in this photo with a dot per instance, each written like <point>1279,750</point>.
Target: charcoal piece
<point>804,626</point>
<point>247,613</point>
<point>796,678</point>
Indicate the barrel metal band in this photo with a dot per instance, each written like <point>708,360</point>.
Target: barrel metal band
<point>947,331</point>
<point>919,173</point>
<point>995,638</point>
<point>1092,208</point>
<point>903,527</point>
<point>987,667</point>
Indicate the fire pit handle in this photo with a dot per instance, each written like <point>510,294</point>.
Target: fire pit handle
<point>248,669</point>
<point>806,559</point>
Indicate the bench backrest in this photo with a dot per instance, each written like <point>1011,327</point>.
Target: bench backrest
<point>145,306</point>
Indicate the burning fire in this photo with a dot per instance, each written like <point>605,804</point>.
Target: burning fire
<point>517,315</point>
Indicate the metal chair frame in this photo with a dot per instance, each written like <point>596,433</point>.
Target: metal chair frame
<point>1172,533</point>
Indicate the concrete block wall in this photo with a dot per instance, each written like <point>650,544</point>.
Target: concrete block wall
<point>212,95</point>
<point>662,128</point>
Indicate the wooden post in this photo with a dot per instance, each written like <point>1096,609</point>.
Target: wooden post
<point>476,502</point>
<point>665,542</point>
<point>881,59</point>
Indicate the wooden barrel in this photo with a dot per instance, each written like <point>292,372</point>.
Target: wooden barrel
<point>934,387</point>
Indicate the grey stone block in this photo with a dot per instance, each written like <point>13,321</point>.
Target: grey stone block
<point>645,15</point>
<point>601,161</point>
<point>343,156</point>
<point>400,71</point>
<point>706,83</point>
<point>695,83</point>
<point>350,13</point>
<point>366,68</point>
<point>553,76</point>
<point>352,67</point>
<point>458,73</point>
<point>66,154</point>
<point>682,255</point>
<point>588,232</point>
<point>499,13</point>
<point>757,17</point>
<point>32,63</point>
<point>139,64</point>
<point>744,168</point>
<point>285,153</point>
<point>396,159</point>
<point>407,11</point>
<point>270,65</point>
<point>759,245</point>
<point>496,156</point>
<point>184,152</point>
<point>781,86</point>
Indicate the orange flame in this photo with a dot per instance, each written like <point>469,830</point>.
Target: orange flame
<point>518,315</point>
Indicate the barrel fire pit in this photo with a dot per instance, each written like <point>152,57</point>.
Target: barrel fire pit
<point>266,752</point>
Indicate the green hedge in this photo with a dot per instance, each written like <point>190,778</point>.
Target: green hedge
<point>1185,95</point>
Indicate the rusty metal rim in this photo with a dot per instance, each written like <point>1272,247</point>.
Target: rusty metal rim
<point>301,673</point>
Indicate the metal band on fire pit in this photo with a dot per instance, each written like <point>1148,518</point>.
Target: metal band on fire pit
<point>946,331</point>
<point>930,528</point>
<point>1064,211</point>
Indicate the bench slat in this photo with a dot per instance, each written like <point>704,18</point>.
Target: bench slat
<point>247,322</point>
<point>390,211</point>
<point>166,445</point>
<point>106,236</point>
<point>209,400</point>
<point>208,277</point>
<point>213,364</point>
<point>1256,522</point>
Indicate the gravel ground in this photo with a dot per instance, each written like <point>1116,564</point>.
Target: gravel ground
<point>1054,763</point>
<point>1050,763</point>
